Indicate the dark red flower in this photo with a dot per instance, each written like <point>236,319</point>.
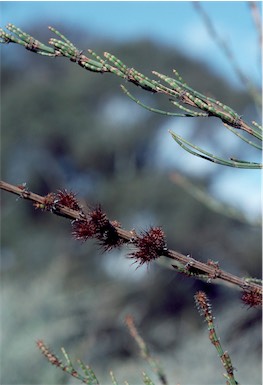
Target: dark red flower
<point>151,245</point>
<point>68,199</point>
<point>83,229</point>
<point>99,220</point>
<point>98,226</point>
<point>252,298</point>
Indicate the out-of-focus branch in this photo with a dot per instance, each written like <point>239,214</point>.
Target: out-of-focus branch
<point>255,11</point>
<point>144,350</point>
<point>223,45</point>
<point>213,204</point>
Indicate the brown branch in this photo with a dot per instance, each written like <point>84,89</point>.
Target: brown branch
<point>210,270</point>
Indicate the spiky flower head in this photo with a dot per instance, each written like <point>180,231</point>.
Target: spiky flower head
<point>150,245</point>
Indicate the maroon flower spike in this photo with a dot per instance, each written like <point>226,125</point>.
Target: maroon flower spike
<point>83,229</point>
<point>104,230</point>
<point>110,239</point>
<point>151,245</point>
<point>99,220</point>
<point>68,199</point>
<point>202,304</point>
<point>97,225</point>
<point>252,299</point>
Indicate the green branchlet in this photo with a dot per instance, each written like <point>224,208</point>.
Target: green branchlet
<point>197,151</point>
<point>87,376</point>
<point>179,93</point>
<point>205,310</point>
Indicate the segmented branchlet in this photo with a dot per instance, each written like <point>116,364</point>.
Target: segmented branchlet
<point>156,110</point>
<point>253,144</point>
<point>131,74</point>
<point>26,41</point>
<point>197,151</point>
<point>116,62</point>
<point>178,91</point>
<point>204,307</point>
<point>209,105</point>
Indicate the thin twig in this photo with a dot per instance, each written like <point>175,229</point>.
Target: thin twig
<point>209,201</point>
<point>223,45</point>
<point>129,320</point>
<point>255,11</point>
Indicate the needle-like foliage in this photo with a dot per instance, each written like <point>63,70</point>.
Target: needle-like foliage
<point>179,93</point>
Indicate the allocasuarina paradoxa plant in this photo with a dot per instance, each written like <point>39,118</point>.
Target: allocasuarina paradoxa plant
<point>176,89</point>
<point>151,243</point>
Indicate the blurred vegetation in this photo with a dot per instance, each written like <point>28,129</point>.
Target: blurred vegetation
<point>63,127</point>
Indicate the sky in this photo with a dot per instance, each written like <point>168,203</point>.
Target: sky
<point>172,23</point>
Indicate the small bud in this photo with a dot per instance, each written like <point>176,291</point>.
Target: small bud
<point>49,201</point>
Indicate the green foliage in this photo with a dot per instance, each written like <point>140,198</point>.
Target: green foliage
<point>178,91</point>
<point>88,376</point>
<point>195,150</point>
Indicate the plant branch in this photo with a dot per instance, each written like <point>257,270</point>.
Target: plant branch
<point>205,310</point>
<point>95,224</point>
<point>176,89</point>
<point>88,377</point>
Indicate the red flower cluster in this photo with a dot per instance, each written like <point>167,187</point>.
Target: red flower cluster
<point>82,229</point>
<point>68,199</point>
<point>252,298</point>
<point>62,198</point>
<point>151,245</point>
<point>97,225</point>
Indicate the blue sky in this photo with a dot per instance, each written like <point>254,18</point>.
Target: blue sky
<point>174,23</point>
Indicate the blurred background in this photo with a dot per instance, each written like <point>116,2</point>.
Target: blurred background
<point>64,127</point>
